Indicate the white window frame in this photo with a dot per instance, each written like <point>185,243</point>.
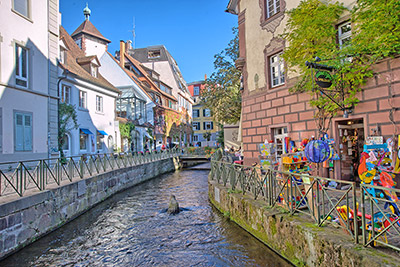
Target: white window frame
<point>28,7</point>
<point>196,126</point>
<point>99,103</point>
<point>279,134</point>
<point>207,112</point>
<point>67,143</point>
<point>86,136</point>
<point>196,90</point>
<point>94,70</point>
<point>19,77</point>
<point>195,138</point>
<point>82,99</point>
<point>342,36</point>
<point>277,70</point>
<point>272,7</point>
<point>197,112</point>
<point>65,94</point>
<point>26,132</point>
<point>208,125</point>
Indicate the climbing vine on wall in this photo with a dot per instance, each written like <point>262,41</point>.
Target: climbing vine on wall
<point>311,32</point>
<point>68,120</point>
<point>126,129</point>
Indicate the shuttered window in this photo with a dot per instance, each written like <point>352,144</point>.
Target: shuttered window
<point>23,131</point>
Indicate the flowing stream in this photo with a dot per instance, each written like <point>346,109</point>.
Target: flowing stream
<point>130,229</point>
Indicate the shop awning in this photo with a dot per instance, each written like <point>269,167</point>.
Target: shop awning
<point>86,131</point>
<point>102,132</point>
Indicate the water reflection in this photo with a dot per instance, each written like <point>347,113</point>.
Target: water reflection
<point>129,229</point>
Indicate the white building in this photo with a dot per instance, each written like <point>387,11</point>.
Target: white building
<point>93,97</point>
<point>134,103</point>
<point>158,58</point>
<point>28,79</point>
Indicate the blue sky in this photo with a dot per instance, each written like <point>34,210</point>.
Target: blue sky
<point>192,30</point>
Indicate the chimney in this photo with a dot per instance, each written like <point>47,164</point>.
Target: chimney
<point>205,77</point>
<point>122,53</point>
<point>128,45</point>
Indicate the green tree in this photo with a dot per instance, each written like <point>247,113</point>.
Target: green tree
<point>311,32</point>
<point>67,121</point>
<point>222,93</point>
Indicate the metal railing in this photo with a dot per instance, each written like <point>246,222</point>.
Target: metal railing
<point>18,177</point>
<point>313,196</point>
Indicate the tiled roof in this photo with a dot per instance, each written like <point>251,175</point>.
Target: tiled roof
<point>130,74</point>
<point>71,64</point>
<point>85,59</point>
<point>139,66</point>
<point>88,28</point>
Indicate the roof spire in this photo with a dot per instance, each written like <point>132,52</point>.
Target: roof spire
<point>86,12</point>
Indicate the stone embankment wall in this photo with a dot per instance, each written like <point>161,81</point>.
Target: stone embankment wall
<point>26,219</point>
<point>295,237</point>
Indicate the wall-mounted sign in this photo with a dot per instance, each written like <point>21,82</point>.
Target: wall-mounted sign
<point>323,79</point>
<point>374,140</point>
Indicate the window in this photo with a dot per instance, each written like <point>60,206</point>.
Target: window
<point>196,126</point>
<point>99,141</point>
<point>66,142</point>
<point>154,54</point>
<point>195,138</point>
<point>23,131</point>
<point>208,125</point>
<point>344,34</point>
<point>277,70</point>
<point>65,94</point>
<point>94,70</point>
<point>279,135</point>
<point>99,103</point>
<point>82,99</point>
<point>206,112</point>
<point>196,113</point>
<point>196,90</point>
<point>169,103</point>
<point>83,139</point>
<point>79,43</point>
<point>21,66</point>
<point>272,7</point>
<point>63,54</point>
<point>22,7</point>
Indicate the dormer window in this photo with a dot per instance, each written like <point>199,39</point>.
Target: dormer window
<point>63,55</point>
<point>154,54</point>
<point>94,70</point>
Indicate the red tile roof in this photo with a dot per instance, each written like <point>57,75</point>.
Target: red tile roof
<point>88,28</point>
<point>72,65</point>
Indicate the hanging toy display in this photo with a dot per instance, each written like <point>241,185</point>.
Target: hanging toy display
<point>317,151</point>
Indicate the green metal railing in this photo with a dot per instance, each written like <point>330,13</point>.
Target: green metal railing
<point>18,177</point>
<point>312,195</point>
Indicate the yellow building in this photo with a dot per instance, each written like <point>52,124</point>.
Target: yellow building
<point>203,123</point>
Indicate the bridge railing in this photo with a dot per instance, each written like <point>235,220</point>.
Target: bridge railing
<point>18,177</point>
<point>372,214</point>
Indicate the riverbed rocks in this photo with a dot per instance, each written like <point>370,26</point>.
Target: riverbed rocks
<point>173,207</point>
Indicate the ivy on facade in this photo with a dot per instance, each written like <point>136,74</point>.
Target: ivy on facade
<point>311,32</point>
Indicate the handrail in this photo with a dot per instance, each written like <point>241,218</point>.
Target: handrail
<point>312,195</point>
<point>19,176</point>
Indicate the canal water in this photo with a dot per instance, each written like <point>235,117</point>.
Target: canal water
<point>130,229</point>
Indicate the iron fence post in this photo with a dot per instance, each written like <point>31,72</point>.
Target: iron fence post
<point>355,211</point>
<point>364,236</point>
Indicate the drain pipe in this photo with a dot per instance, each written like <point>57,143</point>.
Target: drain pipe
<point>65,73</point>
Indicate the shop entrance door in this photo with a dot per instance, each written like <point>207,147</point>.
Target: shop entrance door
<point>351,140</point>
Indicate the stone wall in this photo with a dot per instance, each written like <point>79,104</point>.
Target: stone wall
<point>26,219</point>
<point>295,237</point>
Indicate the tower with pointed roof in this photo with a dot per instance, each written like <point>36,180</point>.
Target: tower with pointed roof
<point>88,38</point>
